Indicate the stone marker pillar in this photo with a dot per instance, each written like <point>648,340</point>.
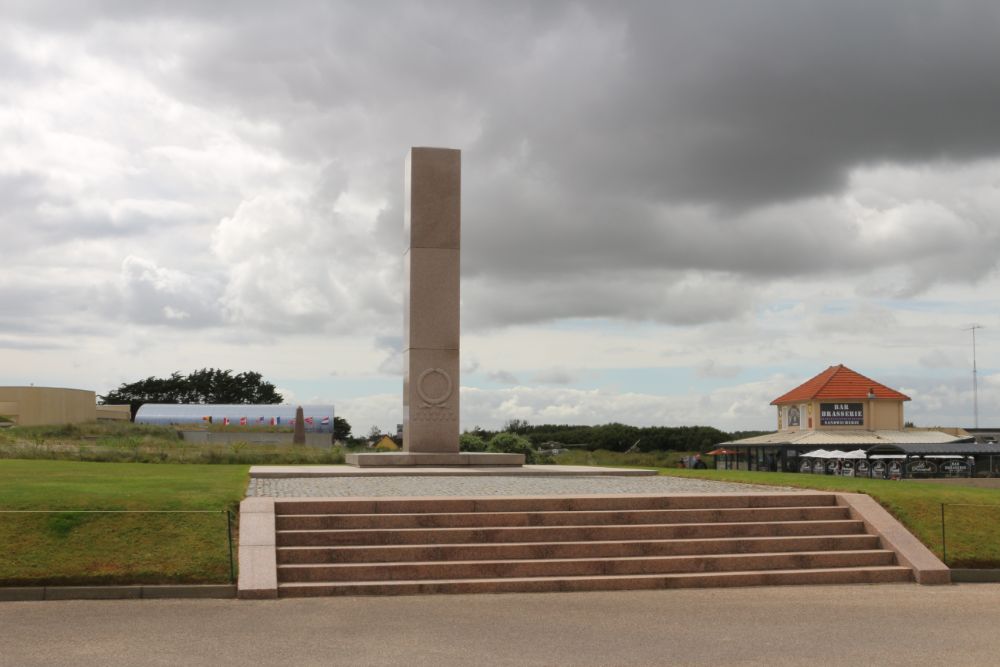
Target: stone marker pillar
<point>432,221</point>
<point>431,271</point>
<point>299,435</point>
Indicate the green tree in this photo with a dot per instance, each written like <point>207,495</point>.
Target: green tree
<point>516,425</point>
<point>341,429</point>
<point>208,385</point>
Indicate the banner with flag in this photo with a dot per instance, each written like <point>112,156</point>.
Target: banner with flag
<point>272,421</point>
<point>207,419</point>
<point>325,421</point>
<point>225,421</point>
<point>243,421</point>
<point>309,421</point>
<point>262,420</point>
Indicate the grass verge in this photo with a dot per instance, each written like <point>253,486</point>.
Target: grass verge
<point>603,457</point>
<point>141,443</point>
<point>72,548</point>
<point>972,516</point>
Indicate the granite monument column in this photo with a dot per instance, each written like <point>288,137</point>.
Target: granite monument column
<point>432,224</point>
<point>431,267</point>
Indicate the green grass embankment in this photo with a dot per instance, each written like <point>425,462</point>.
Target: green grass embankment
<point>972,516</point>
<point>143,443</point>
<point>602,457</point>
<point>115,548</point>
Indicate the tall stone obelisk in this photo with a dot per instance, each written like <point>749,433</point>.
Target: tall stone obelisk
<point>432,223</point>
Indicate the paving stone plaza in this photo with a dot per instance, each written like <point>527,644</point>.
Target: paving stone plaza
<point>416,485</point>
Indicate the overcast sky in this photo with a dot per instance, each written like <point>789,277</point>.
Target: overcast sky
<point>673,212</point>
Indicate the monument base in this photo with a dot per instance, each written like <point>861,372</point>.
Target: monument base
<point>433,459</point>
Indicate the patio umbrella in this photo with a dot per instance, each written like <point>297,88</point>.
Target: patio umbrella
<point>818,454</point>
<point>856,454</point>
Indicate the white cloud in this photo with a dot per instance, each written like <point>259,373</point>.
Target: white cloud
<point>709,368</point>
<point>744,406</point>
<point>151,294</point>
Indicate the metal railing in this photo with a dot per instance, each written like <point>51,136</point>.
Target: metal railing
<point>227,512</point>
<point>944,539</point>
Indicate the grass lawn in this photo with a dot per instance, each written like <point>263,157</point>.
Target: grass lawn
<point>93,548</point>
<point>125,442</point>
<point>972,516</point>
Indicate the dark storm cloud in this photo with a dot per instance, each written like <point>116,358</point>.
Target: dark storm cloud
<point>741,104</point>
<point>35,313</point>
<point>653,296</point>
<point>723,103</point>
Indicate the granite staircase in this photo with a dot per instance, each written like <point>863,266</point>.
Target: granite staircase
<point>397,546</point>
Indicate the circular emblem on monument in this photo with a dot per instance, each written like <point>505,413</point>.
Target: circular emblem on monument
<point>434,401</point>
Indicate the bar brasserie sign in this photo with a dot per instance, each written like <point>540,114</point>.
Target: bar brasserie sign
<point>841,414</point>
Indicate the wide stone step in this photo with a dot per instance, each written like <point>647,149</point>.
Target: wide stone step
<point>558,567</point>
<point>564,533</point>
<point>557,518</point>
<point>597,549</point>
<point>849,575</point>
<point>546,503</point>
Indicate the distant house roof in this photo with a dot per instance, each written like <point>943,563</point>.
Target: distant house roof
<point>386,443</point>
<point>839,382</point>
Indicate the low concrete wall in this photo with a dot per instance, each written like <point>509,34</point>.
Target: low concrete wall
<point>258,578</point>
<point>320,440</point>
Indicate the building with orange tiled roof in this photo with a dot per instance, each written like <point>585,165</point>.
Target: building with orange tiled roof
<point>859,426</point>
<point>840,398</point>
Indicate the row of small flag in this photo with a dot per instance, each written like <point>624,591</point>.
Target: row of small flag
<point>270,421</point>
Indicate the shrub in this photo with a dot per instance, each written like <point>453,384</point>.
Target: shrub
<point>511,443</point>
<point>470,442</point>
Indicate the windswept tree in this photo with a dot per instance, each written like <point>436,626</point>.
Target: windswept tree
<point>208,385</point>
<point>341,429</point>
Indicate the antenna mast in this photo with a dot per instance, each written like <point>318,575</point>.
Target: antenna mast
<point>975,380</point>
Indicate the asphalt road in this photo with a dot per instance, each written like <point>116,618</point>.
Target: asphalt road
<point>816,625</point>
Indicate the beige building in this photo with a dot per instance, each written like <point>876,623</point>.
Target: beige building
<point>839,399</point>
<point>36,406</point>
<point>841,422</point>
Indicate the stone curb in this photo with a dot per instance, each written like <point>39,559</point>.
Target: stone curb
<point>258,579</point>
<point>31,593</point>
<point>968,576</point>
<point>441,470</point>
<point>927,568</point>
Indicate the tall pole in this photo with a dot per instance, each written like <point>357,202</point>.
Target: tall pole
<point>975,380</point>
